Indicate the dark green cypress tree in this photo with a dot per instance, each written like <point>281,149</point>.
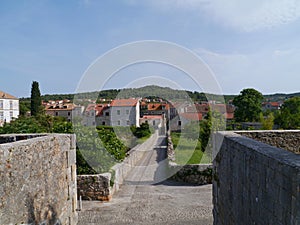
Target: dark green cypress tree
<point>36,100</point>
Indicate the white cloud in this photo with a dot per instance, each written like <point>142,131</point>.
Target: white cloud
<point>241,15</point>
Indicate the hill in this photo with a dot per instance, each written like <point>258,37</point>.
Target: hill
<point>157,91</point>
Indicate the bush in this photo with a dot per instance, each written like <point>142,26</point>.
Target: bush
<point>142,131</point>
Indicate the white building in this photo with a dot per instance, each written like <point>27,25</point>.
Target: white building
<point>63,109</point>
<point>96,114</point>
<point>9,107</point>
<point>125,112</point>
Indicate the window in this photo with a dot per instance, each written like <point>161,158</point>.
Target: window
<point>103,123</point>
<point>56,113</point>
<point>106,113</point>
<point>179,123</point>
<point>93,114</point>
<point>128,122</point>
<point>69,113</point>
<point>1,115</point>
<point>11,114</point>
<point>127,111</point>
<point>119,123</point>
<point>153,122</point>
<point>118,112</point>
<point>11,104</point>
<point>1,104</point>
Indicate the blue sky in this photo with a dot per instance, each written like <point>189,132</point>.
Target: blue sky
<point>245,43</point>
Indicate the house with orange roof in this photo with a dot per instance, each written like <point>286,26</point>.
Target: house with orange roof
<point>63,109</point>
<point>155,108</point>
<point>9,107</point>
<point>125,112</point>
<point>271,106</point>
<point>156,121</point>
<point>96,114</point>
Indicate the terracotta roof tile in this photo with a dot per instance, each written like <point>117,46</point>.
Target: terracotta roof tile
<point>4,95</point>
<point>192,116</point>
<point>124,102</point>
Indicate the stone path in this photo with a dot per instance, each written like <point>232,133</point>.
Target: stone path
<point>147,198</point>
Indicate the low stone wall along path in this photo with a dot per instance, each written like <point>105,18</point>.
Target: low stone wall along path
<point>146,197</point>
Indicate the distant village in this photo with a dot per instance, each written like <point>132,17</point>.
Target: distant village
<point>126,112</point>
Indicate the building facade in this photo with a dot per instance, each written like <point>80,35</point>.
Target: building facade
<point>9,107</point>
<point>63,109</point>
<point>125,112</point>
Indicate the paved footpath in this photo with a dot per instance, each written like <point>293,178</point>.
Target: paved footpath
<point>146,198</point>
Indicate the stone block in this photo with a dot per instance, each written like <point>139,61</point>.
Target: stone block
<point>35,183</point>
<point>266,177</point>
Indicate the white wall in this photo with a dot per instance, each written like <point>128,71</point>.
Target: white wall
<point>8,111</point>
<point>121,114</point>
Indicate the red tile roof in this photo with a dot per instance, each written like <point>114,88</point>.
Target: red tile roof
<point>61,107</point>
<point>124,102</point>
<point>152,117</point>
<point>273,104</point>
<point>229,115</point>
<point>97,107</point>
<point>4,95</point>
<point>191,116</point>
<point>158,106</point>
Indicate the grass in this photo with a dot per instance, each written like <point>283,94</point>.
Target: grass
<point>188,151</point>
<point>142,140</point>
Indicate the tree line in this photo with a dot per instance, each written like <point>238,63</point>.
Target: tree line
<point>249,109</point>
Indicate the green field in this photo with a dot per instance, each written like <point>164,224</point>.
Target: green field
<point>188,151</point>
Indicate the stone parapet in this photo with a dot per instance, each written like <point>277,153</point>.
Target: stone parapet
<point>38,179</point>
<point>255,183</point>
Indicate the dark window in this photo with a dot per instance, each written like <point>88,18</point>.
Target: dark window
<point>179,123</point>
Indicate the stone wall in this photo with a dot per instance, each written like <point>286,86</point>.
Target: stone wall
<point>38,179</point>
<point>255,183</point>
<point>101,187</point>
<point>198,174</point>
<point>289,140</point>
<point>94,187</point>
<point>121,170</point>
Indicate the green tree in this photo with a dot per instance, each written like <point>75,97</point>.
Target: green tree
<point>289,115</point>
<point>24,107</point>
<point>142,131</point>
<point>267,121</point>
<point>23,125</point>
<point>248,105</point>
<point>205,130</point>
<point>36,100</point>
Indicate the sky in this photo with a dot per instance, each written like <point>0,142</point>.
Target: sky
<point>245,44</point>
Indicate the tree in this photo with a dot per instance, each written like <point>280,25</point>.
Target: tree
<point>248,105</point>
<point>289,115</point>
<point>36,100</point>
<point>142,131</point>
<point>267,121</point>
